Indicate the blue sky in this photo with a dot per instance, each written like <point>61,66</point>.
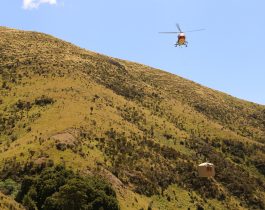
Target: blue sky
<point>228,56</point>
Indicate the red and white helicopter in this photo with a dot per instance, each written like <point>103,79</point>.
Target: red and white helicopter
<point>181,36</point>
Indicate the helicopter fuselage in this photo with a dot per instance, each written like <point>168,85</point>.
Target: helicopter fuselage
<point>181,40</point>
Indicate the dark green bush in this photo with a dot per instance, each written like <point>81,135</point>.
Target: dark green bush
<point>44,101</point>
<point>57,188</point>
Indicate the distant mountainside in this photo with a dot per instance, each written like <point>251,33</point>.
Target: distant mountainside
<point>141,129</point>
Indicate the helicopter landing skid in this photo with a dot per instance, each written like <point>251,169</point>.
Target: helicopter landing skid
<point>186,45</point>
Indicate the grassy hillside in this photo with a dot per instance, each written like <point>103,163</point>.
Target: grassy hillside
<point>7,203</point>
<point>141,129</point>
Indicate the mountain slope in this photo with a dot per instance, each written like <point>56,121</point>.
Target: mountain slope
<point>7,203</point>
<point>142,129</point>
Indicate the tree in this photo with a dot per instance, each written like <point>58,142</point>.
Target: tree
<point>57,188</point>
<point>29,203</point>
<point>72,195</point>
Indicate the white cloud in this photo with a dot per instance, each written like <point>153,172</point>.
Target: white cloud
<point>34,4</point>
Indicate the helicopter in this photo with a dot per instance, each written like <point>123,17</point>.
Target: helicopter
<point>181,36</point>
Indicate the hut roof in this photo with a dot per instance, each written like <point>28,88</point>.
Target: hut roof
<point>206,164</point>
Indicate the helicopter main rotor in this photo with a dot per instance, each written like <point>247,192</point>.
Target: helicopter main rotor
<point>180,31</point>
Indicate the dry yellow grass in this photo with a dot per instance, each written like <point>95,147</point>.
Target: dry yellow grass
<point>7,203</point>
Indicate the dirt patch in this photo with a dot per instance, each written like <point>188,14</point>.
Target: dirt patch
<point>65,140</point>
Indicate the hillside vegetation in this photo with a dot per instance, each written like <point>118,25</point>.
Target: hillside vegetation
<point>142,130</point>
<point>7,203</point>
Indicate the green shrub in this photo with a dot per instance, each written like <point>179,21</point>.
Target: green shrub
<point>9,187</point>
<point>44,101</point>
<point>59,189</point>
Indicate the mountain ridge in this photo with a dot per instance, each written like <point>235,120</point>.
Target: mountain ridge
<point>145,128</point>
